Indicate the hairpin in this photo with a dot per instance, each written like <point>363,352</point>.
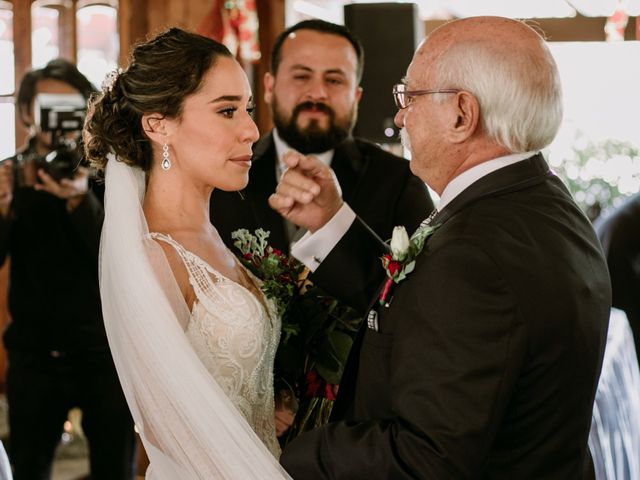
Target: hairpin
<point>110,80</point>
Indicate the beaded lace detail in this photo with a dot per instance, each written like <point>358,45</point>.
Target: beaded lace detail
<point>235,335</point>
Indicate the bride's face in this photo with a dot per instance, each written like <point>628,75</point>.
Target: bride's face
<point>211,141</point>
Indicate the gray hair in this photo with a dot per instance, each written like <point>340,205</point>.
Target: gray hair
<point>519,93</point>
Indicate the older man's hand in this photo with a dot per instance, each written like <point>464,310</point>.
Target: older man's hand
<point>308,194</point>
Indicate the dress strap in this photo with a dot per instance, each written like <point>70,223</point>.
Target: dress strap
<point>202,276</point>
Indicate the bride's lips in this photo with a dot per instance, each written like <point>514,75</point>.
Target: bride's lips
<point>243,160</point>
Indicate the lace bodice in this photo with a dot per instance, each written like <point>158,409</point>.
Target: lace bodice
<point>235,335</point>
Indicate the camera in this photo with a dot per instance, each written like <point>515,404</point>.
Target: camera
<point>61,115</point>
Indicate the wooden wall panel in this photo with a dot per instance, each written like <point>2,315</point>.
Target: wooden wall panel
<point>22,52</point>
<point>271,17</point>
<point>132,26</point>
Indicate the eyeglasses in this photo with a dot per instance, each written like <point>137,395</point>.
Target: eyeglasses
<point>403,97</point>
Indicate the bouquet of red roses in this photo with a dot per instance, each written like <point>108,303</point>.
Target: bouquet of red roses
<point>317,331</point>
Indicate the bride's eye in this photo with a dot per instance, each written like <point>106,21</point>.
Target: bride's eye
<point>228,112</point>
<point>250,109</point>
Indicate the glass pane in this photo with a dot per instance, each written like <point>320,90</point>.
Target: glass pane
<point>7,79</point>
<point>44,35</point>
<point>8,130</point>
<point>597,150</point>
<point>98,43</point>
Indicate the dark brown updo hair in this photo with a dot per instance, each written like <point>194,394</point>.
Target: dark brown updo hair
<point>162,72</point>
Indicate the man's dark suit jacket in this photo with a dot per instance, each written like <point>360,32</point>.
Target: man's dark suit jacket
<point>378,186</point>
<point>486,361</point>
<point>620,237</point>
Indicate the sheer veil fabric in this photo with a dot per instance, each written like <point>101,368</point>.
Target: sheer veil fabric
<point>188,426</point>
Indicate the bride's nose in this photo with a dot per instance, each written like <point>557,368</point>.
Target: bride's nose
<point>249,133</point>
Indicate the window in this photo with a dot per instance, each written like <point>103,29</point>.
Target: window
<point>7,82</point>
<point>45,33</point>
<point>82,31</point>
<point>97,33</point>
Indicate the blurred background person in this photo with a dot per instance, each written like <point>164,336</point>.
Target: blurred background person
<point>619,234</point>
<point>50,220</point>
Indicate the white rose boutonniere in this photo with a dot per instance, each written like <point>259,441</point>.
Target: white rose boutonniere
<point>399,244</point>
<point>402,259</point>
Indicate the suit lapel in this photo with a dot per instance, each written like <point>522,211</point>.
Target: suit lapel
<point>262,183</point>
<point>347,163</point>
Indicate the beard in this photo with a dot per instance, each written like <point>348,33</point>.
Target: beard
<point>313,138</point>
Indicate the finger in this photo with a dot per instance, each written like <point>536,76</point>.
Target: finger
<point>48,184</point>
<point>297,179</point>
<point>294,192</point>
<point>46,179</point>
<point>312,167</point>
<point>291,158</point>
<point>69,184</point>
<point>281,203</point>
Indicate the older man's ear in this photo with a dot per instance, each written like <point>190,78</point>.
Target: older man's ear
<point>465,118</point>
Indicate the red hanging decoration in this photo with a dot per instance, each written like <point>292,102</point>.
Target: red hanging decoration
<point>235,24</point>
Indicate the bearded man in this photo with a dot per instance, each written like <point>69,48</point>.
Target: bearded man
<point>313,92</point>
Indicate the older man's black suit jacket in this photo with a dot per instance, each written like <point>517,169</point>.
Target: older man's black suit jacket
<point>377,185</point>
<point>486,361</point>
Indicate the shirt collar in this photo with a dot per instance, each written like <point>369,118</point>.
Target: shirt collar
<point>282,147</point>
<point>469,177</point>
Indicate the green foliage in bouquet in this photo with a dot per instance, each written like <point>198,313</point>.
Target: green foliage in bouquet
<point>317,330</point>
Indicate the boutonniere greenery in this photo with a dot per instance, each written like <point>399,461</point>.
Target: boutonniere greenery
<point>402,259</point>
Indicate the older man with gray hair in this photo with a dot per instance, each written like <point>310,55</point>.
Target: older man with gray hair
<point>482,360</point>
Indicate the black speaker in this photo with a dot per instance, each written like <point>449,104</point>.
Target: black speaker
<point>390,33</point>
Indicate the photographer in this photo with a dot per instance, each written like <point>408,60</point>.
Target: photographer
<point>58,355</point>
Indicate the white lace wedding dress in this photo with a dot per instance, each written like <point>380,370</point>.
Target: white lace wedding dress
<point>235,335</point>
<point>198,383</point>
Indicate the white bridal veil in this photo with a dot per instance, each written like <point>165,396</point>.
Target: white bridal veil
<point>188,426</point>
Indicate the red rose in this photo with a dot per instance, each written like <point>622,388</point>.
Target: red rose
<point>393,267</point>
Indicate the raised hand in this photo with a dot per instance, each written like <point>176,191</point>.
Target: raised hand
<point>70,189</point>
<point>308,194</point>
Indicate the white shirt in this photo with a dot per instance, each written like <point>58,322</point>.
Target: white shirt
<point>311,249</point>
<point>282,147</point>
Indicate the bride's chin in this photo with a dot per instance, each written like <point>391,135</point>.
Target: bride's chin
<point>235,185</point>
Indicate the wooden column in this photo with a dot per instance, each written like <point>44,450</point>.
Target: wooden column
<point>132,26</point>
<point>22,53</point>
<point>271,18</point>
<point>68,32</point>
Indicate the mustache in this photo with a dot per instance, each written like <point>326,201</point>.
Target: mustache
<point>322,107</point>
<point>404,139</point>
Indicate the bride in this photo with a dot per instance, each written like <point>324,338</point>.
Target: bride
<point>191,333</point>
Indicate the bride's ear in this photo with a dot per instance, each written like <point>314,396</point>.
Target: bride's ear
<point>154,126</point>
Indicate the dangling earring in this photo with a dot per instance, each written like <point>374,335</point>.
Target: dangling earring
<point>166,163</point>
